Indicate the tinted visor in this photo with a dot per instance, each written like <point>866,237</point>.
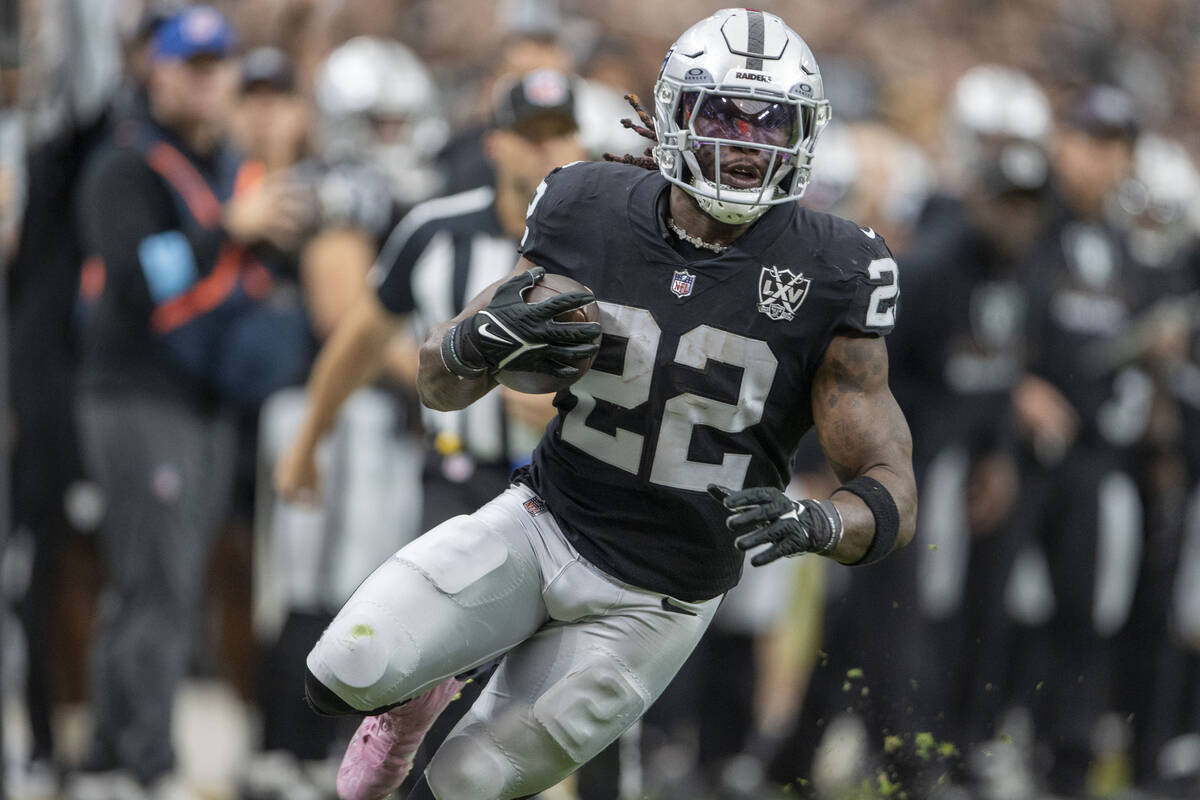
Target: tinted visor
<point>743,120</point>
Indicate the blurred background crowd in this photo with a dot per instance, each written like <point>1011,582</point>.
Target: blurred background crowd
<point>191,198</point>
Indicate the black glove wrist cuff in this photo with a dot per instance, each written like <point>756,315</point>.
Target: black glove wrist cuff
<point>827,525</point>
<point>452,356</point>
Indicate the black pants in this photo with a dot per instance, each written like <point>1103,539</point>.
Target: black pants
<point>961,585</point>
<point>166,471</point>
<point>981,679</point>
<point>1070,509</point>
<point>46,462</point>
<point>288,723</point>
<point>1152,668</point>
<point>875,661</point>
<point>712,694</point>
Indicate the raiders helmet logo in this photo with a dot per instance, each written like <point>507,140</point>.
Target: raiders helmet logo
<point>780,292</point>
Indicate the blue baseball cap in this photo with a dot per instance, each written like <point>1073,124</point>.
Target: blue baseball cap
<point>194,31</point>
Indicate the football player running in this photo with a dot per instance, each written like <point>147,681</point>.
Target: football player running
<point>732,321</point>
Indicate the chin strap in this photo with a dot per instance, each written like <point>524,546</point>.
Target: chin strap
<point>731,212</point>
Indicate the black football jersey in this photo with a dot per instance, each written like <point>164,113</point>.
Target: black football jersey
<point>1081,302</point>
<point>704,371</point>
<point>962,348</point>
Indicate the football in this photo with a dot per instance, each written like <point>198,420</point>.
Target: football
<point>537,382</point>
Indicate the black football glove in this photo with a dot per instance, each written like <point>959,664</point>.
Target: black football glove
<point>764,515</point>
<point>513,334</point>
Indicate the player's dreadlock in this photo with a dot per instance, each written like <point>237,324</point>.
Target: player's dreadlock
<point>645,161</point>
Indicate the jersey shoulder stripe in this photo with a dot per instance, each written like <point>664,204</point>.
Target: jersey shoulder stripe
<point>440,209</point>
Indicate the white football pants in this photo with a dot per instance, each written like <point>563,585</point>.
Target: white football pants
<point>586,653</point>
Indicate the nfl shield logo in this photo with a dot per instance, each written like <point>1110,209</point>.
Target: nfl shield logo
<point>681,284</point>
<point>780,292</point>
<point>535,506</point>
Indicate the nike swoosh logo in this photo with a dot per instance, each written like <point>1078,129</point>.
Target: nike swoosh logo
<point>669,606</point>
<point>485,330</point>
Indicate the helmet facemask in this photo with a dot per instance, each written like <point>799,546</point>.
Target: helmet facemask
<point>744,149</point>
<point>738,87</point>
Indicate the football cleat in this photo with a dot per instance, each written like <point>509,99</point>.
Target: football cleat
<point>381,753</point>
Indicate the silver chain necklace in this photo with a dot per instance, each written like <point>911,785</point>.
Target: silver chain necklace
<point>696,241</point>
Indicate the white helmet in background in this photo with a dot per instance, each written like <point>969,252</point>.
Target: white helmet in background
<point>868,170</point>
<point>835,176</point>
<point>740,80</point>
<point>999,126</point>
<point>1160,200</point>
<point>596,106</point>
<point>377,104</point>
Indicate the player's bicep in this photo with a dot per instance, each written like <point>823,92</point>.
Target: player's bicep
<point>859,424</point>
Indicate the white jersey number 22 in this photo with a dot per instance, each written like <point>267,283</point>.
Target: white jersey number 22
<point>681,413</point>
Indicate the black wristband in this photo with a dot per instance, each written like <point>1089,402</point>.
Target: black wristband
<point>883,508</point>
<point>453,361</point>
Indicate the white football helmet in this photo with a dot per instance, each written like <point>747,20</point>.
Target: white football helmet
<point>1159,204</point>
<point>999,126</point>
<point>378,105</point>
<point>741,92</point>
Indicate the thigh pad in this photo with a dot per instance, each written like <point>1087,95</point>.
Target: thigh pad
<point>465,559</point>
<point>591,706</point>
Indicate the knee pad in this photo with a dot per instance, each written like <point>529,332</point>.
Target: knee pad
<point>364,657</point>
<point>321,698</point>
<point>590,707</point>
<point>469,767</point>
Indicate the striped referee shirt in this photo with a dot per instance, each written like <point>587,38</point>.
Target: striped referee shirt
<point>441,254</point>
